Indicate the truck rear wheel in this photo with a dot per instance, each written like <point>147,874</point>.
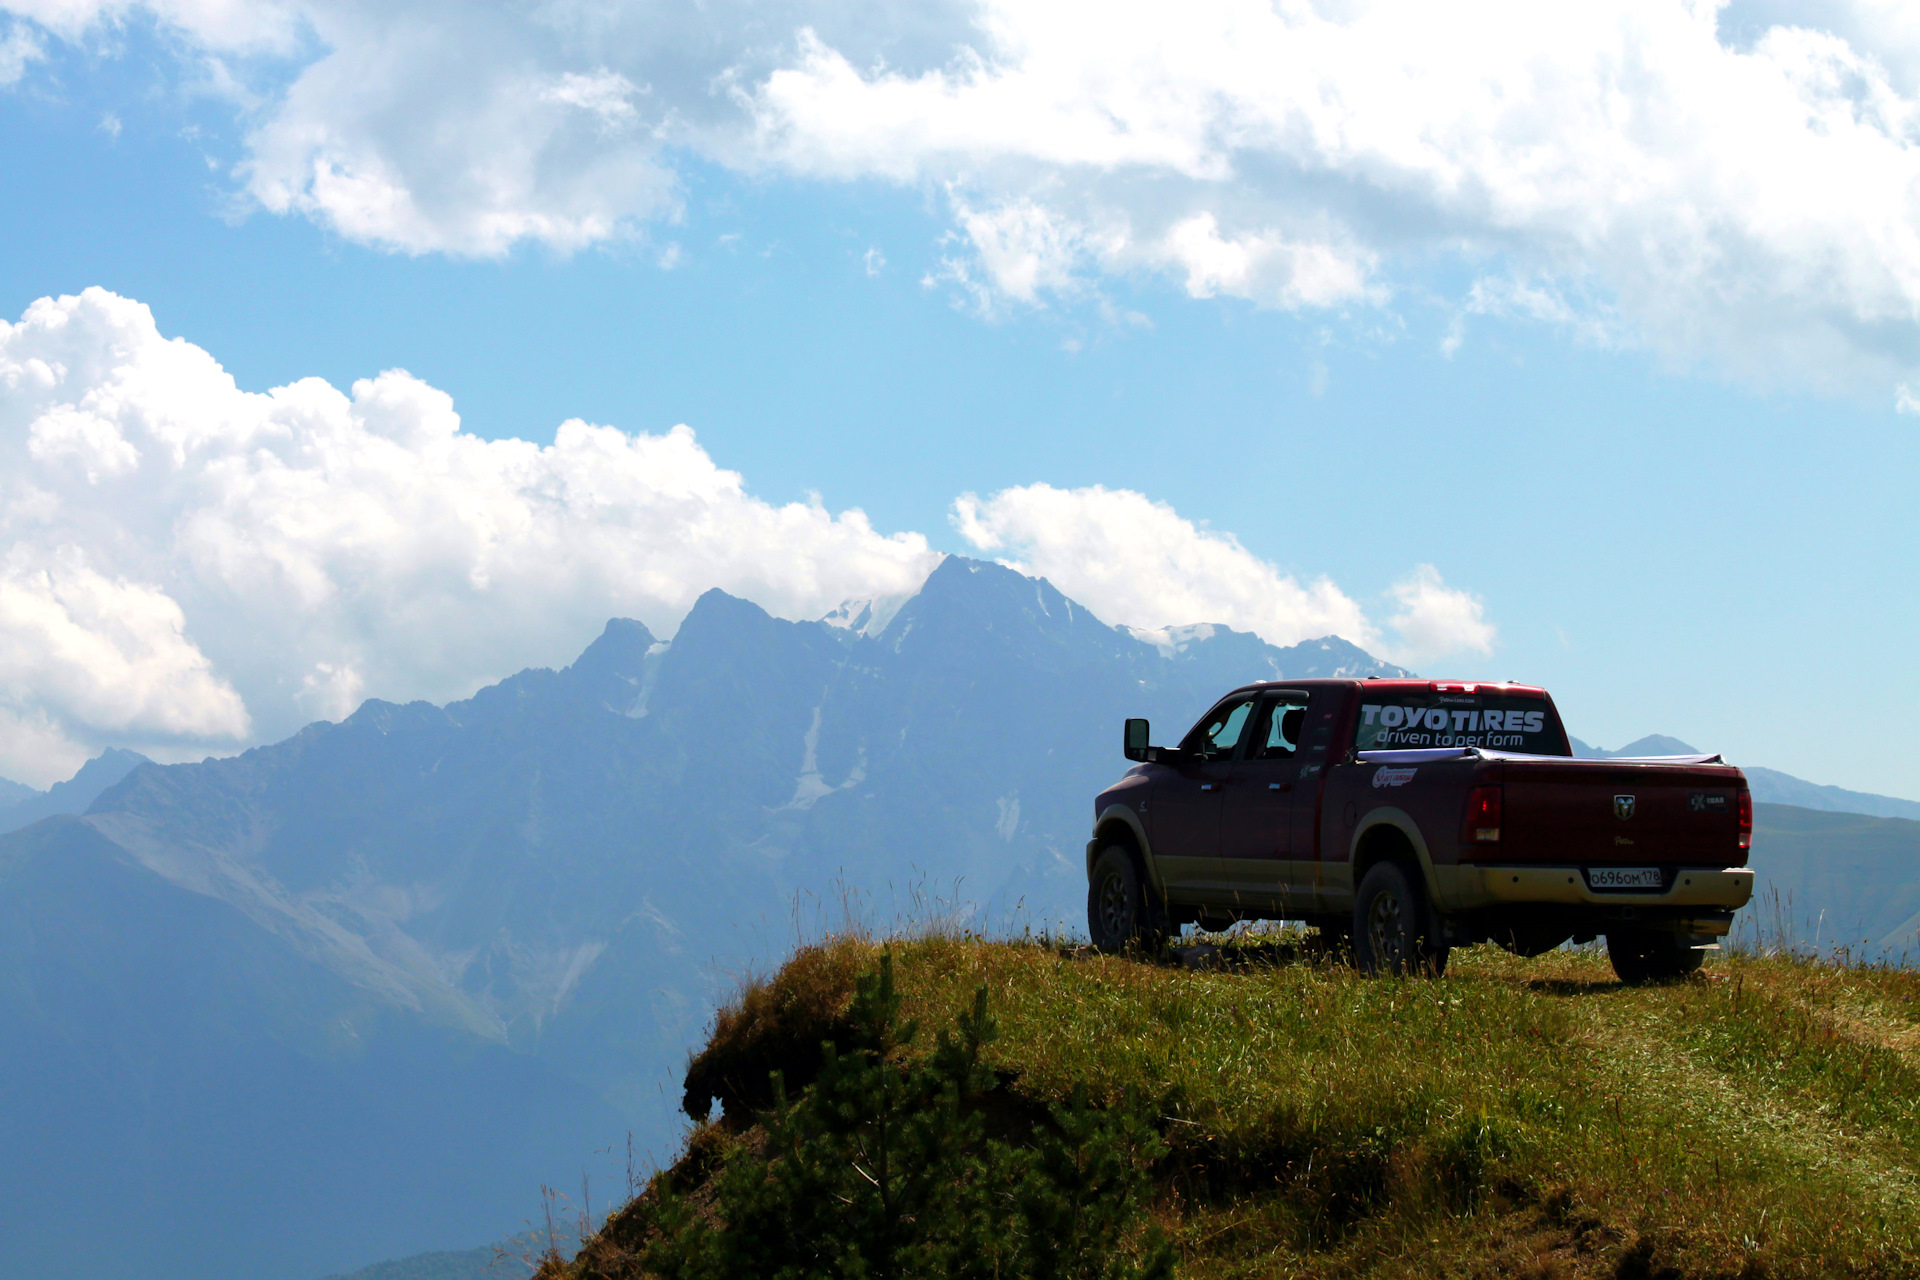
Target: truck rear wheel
<point>1119,911</point>
<point>1641,956</point>
<point>1393,927</point>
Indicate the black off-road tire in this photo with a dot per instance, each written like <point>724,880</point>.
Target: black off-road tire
<point>1393,925</point>
<point>1122,910</point>
<point>1640,956</point>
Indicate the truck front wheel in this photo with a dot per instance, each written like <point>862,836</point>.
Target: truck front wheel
<point>1393,928</point>
<point>1119,913</point>
<point>1640,956</point>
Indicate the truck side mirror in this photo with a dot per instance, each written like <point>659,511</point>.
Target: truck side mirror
<point>1136,740</point>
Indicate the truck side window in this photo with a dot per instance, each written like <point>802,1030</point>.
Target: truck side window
<point>1218,734</point>
<point>1282,721</point>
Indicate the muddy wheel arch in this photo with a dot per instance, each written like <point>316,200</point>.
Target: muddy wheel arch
<point>1118,824</point>
<point>1388,834</point>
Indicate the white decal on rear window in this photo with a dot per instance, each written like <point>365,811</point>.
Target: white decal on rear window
<point>1388,726</point>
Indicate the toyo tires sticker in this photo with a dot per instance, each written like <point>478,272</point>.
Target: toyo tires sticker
<point>1385,777</point>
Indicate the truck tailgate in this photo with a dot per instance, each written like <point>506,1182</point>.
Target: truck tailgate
<point>1613,813</point>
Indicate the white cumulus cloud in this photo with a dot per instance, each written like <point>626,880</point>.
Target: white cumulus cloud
<point>1137,562</point>
<point>1734,183</point>
<point>219,26</point>
<point>1756,203</point>
<point>190,564</point>
<point>193,562</point>
<point>84,656</point>
<point>18,50</point>
<point>1434,620</point>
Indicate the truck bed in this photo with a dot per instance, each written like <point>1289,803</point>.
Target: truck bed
<point>1632,811</point>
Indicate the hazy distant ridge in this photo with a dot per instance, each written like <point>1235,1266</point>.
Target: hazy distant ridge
<point>1770,786</point>
<point>21,805</point>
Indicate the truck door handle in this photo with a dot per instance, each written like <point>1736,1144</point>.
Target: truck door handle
<point>1279,786</point>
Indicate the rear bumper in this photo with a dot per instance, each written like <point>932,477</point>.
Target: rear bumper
<point>1721,888</point>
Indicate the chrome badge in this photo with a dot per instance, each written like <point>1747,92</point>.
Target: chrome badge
<point>1623,807</point>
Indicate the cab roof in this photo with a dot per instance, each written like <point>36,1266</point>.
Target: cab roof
<point>1403,685</point>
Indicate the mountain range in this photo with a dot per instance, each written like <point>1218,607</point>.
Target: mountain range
<point>21,805</point>
<point>359,993</point>
<point>362,992</point>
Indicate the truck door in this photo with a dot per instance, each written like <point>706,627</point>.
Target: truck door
<point>1186,803</point>
<point>1311,883</point>
<point>1257,830</point>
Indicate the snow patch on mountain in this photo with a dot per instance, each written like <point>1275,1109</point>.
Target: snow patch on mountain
<point>867,616</point>
<point>1172,640</point>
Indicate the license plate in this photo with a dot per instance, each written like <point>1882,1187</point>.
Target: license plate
<point>1624,877</point>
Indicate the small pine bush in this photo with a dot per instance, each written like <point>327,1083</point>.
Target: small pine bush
<point>881,1170</point>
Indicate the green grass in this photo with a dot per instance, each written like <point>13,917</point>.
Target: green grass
<point>1515,1118</point>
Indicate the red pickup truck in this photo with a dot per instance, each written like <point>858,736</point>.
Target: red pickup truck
<point>1414,816</point>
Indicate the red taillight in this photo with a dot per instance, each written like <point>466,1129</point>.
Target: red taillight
<point>1746,819</point>
<point>1482,822</point>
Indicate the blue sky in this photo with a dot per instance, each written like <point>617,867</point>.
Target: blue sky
<point>1670,481</point>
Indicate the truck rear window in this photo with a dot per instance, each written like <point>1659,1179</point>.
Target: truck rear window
<point>1393,722</point>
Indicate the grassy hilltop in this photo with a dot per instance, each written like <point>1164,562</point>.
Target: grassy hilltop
<point>1274,1114</point>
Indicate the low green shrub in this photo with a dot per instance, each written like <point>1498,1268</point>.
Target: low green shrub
<point>881,1168</point>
